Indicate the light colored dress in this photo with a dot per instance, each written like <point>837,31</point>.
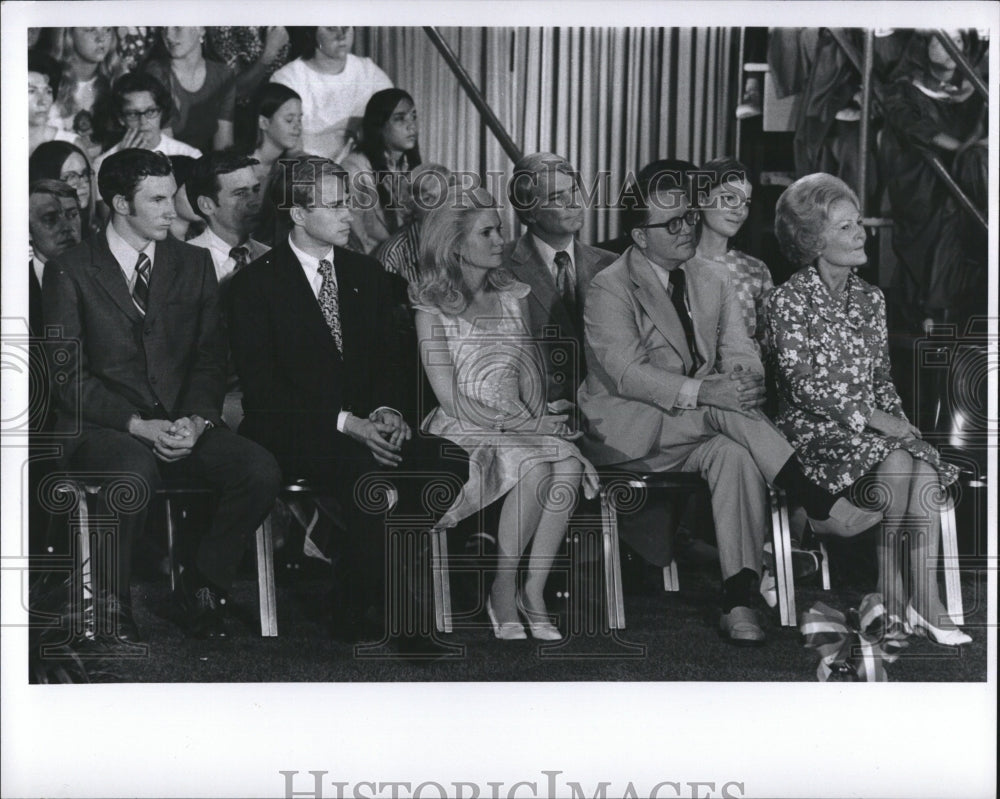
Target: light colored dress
<point>490,358</point>
<point>832,359</point>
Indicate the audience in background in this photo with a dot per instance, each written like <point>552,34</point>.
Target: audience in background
<point>43,83</point>
<point>135,46</point>
<point>334,85</point>
<point>253,54</point>
<point>90,63</point>
<point>203,92</point>
<point>380,167</point>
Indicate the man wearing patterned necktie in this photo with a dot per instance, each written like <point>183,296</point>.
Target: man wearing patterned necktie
<point>544,192</point>
<point>224,190</point>
<point>146,384</point>
<point>322,365</point>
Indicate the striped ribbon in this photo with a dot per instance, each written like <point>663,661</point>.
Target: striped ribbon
<point>852,648</point>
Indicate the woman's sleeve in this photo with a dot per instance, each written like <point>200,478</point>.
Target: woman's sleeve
<point>812,380</point>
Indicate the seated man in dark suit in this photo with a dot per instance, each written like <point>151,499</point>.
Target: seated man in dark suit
<point>544,192</point>
<point>675,384</point>
<point>150,377</point>
<point>314,335</point>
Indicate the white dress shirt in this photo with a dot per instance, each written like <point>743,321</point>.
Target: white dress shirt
<point>219,250</point>
<point>126,255</point>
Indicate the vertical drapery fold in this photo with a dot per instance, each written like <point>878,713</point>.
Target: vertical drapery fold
<point>609,99</point>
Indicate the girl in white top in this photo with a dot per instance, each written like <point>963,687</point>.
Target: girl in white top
<point>334,85</point>
<point>90,63</point>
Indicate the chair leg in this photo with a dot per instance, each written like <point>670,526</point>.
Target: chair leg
<point>949,559</point>
<point>171,544</point>
<point>671,581</point>
<point>265,580</point>
<point>613,595</point>
<point>784,574</point>
<point>825,566</point>
<point>441,580</point>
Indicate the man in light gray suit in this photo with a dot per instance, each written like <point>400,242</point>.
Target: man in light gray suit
<point>674,384</point>
<point>544,192</point>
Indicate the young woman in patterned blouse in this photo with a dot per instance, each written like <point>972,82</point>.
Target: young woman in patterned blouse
<point>838,406</point>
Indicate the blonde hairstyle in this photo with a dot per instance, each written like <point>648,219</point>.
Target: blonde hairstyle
<point>803,211</point>
<point>444,231</point>
<point>108,71</point>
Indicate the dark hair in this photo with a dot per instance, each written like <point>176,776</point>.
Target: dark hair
<point>664,175</point>
<point>48,158</point>
<point>182,165</point>
<point>46,65</point>
<point>266,101</point>
<point>56,188</point>
<point>134,82</point>
<point>716,172</point>
<point>203,180</point>
<point>377,112</point>
<point>122,172</point>
<point>298,179</point>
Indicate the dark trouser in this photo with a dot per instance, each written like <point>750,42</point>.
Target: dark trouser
<point>243,474</point>
<point>383,544</point>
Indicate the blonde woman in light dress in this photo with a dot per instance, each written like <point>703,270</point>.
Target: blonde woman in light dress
<point>485,370</point>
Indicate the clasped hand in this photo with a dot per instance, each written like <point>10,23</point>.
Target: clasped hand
<point>170,441</point>
<point>383,432</point>
<point>893,426</point>
<point>739,390</point>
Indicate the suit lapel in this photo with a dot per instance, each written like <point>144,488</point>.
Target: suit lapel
<point>109,275</point>
<point>528,267</point>
<point>295,295</point>
<point>705,313</point>
<point>161,279</point>
<point>352,321</point>
<point>654,300</point>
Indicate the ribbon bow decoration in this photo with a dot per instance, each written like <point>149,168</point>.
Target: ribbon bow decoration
<point>852,648</point>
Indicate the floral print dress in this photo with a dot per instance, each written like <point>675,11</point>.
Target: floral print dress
<point>832,363</point>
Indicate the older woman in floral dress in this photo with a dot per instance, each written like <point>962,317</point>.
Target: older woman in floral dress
<point>837,404</point>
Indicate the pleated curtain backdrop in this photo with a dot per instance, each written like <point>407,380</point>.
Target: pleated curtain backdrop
<point>608,99</point>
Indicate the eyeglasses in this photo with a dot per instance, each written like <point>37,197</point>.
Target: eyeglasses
<point>674,225</point>
<point>135,116</point>
<point>75,177</point>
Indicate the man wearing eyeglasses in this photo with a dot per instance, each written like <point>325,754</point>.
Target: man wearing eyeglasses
<point>138,103</point>
<point>674,384</point>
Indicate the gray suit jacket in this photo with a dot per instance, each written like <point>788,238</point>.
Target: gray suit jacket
<point>638,358</point>
<point>551,322</point>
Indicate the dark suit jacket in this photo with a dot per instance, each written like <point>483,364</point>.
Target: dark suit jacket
<point>549,317</point>
<point>295,381</point>
<point>35,313</point>
<point>167,365</point>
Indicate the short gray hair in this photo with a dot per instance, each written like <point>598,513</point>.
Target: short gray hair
<point>803,211</point>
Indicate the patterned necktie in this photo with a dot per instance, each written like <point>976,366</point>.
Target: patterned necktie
<point>564,281</point>
<point>329,303</point>
<point>678,283</point>
<point>140,291</point>
<point>240,256</point>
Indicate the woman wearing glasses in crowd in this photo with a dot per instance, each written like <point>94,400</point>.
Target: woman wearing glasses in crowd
<point>481,363</point>
<point>380,167</point>
<point>723,195</point>
<point>139,103</point>
<point>203,92</point>
<point>334,85</point>
<point>60,160</point>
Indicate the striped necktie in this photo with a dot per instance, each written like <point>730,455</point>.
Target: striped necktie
<point>329,303</point>
<point>140,291</point>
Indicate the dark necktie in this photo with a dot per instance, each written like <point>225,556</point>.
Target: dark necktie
<point>677,295</point>
<point>329,303</point>
<point>240,256</point>
<point>140,291</point>
<point>564,281</point>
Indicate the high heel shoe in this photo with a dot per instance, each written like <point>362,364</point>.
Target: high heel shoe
<point>508,630</point>
<point>846,520</point>
<point>952,637</point>
<point>543,630</point>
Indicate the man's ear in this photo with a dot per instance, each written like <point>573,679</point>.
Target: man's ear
<point>638,237</point>
<point>205,205</point>
<point>121,205</point>
<point>297,214</point>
